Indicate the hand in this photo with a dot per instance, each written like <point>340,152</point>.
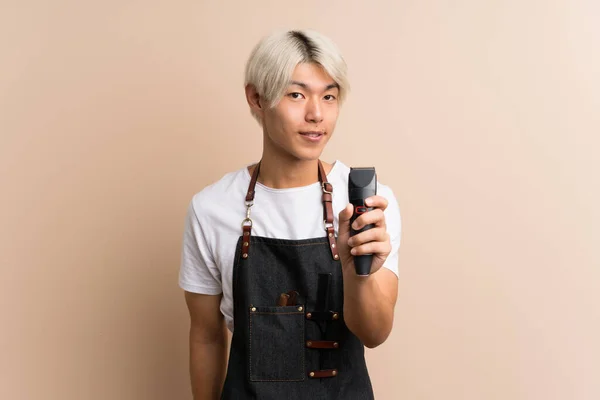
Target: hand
<point>374,241</point>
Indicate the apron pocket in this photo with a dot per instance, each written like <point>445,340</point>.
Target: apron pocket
<point>276,344</point>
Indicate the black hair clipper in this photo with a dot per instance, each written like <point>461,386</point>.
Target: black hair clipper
<point>362,183</point>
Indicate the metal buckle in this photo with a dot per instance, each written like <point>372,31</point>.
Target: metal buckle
<point>246,222</point>
<point>325,224</point>
<point>248,206</point>
<point>325,190</point>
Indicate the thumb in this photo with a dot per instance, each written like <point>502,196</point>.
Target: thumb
<point>344,219</point>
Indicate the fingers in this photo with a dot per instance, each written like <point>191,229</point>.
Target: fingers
<point>371,235</point>
<point>375,217</point>
<point>378,248</point>
<point>376,202</point>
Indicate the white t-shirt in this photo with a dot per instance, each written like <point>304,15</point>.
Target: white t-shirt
<point>214,223</point>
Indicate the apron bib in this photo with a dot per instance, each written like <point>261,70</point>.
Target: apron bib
<point>289,339</point>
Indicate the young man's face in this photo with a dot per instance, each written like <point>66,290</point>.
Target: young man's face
<point>302,123</point>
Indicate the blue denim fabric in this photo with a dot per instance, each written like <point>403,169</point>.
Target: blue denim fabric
<point>269,358</point>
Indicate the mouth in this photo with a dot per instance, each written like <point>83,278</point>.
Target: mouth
<point>313,135</point>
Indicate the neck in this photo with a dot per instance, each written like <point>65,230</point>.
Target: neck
<point>281,173</point>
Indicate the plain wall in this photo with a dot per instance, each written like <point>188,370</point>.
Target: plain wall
<point>481,115</point>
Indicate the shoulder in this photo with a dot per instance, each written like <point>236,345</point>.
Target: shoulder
<point>221,194</point>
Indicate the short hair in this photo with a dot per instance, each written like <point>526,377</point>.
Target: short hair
<point>273,60</point>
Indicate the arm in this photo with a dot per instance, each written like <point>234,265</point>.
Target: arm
<point>368,301</point>
<point>369,305</point>
<point>208,345</point>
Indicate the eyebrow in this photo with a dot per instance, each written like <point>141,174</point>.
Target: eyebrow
<point>305,86</point>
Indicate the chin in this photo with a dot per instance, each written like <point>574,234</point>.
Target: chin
<point>308,156</point>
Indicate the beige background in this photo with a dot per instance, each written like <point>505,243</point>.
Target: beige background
<point>481,115</point>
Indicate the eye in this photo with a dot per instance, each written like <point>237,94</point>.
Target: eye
<point>329,97</point>
<point>296,95</point>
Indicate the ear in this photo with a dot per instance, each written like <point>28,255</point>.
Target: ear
<point>254,100</point>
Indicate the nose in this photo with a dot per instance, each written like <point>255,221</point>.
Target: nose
<point>314,113</point>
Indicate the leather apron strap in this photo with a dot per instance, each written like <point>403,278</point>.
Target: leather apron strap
<point>327,212</point>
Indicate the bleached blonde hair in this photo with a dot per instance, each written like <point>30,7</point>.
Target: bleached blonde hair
<point>273,60</point>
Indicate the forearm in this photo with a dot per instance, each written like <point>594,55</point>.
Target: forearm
<point>208,363</point>
<point>368,312</point>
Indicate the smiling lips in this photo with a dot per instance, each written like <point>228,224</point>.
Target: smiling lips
<point>313,136</point>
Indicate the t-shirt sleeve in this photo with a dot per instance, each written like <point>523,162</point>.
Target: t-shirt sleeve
<point>198,272</point>
<point>394,229</point>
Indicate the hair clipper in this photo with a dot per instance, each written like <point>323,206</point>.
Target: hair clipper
<point>362,183</point>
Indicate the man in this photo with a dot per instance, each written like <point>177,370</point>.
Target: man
<point>267,249</point>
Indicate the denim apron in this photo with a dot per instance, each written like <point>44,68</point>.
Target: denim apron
<point>289,338</point>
